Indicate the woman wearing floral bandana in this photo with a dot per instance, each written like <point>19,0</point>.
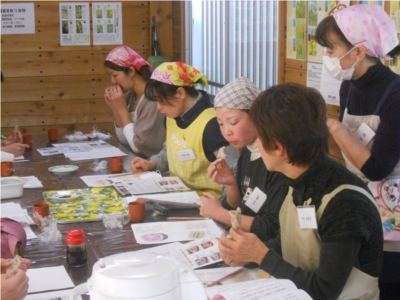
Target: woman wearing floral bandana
<point>356,38</point>
<point>138,123</point>
<point>193,134</point>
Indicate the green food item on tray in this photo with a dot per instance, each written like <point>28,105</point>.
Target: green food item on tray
<point>88,204</point>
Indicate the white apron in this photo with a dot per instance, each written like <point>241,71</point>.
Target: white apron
<point>387,191</point>
<point>301,247</point>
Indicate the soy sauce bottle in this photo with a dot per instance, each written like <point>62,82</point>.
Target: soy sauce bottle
<point>76,247</point>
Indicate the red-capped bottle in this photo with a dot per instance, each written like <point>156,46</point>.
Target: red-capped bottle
<point>76,247</point>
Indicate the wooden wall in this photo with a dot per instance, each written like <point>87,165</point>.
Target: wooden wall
<point>46,85</point>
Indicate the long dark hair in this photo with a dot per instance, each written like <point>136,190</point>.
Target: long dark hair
<point>145,71</point>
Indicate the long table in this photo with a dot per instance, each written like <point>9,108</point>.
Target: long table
<point>102,242</point>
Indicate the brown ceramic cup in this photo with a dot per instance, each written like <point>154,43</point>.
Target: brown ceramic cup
<point>136,211</point>
<point>27,139</point>
<point>53,134</point>
<point>42,209</point>
<point>7,168</point>
<point>116,164</point>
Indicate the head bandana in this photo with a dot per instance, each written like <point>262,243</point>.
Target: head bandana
<point>178,74</point>
<point>238,94</point>
<point>370,26</point>
<point>125,57</point>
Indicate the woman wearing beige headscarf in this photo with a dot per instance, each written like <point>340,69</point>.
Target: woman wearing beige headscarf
<point>254,189</point>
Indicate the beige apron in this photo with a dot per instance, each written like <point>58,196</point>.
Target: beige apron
<point>301,247</point>
<point>352,123</point>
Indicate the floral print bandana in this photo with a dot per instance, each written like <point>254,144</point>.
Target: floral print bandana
<point>179,74</point>
<point>125,57</point>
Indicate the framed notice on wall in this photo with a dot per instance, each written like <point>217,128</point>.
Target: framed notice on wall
<point>74,24</point>
<point>17,18</point>
<point>107,23</point>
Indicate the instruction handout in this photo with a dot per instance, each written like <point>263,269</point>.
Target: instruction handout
<point>166,232</point>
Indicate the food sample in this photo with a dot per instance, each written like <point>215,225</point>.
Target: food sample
<point>15,263</point>
<point>236,218</point>
<point>16,128</point>
<point>221,153</point>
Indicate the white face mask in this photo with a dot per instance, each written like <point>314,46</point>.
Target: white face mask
<point>332,65</point>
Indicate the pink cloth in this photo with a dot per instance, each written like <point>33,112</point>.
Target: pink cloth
<point>12,236</point>
<point>370,26</point>
<point>125,57</point>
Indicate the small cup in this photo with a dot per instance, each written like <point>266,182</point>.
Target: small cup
<point>116,164</point>
<point>136,211</point>
<point>53,134</point>
<point>42,209</point>
<point>27,139</point>
<point>7,168</point>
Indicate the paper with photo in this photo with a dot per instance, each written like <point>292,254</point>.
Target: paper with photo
<point>271,289</point>
<point>151,186</point>
<point>200,253</point>
<point>111,179</point>
<point>178,200</point>
<point>166,232</point>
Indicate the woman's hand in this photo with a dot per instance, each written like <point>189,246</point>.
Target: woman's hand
<point>14,286</point>
<point>221,173</point>
<point>211,207</point>
<point>16,148</point>
<point>114,97</point>
<point>139,165</point>
<point>241,248</point>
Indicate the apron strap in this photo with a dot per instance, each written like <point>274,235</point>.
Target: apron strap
<point>328,197</point>
<point>386,94</point>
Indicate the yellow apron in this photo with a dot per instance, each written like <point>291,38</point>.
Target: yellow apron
<point>192,172</point>
<point>301,247</point>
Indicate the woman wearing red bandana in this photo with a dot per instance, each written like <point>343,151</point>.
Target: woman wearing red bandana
<point>138,123</point>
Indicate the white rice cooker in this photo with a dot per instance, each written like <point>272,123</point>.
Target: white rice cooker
<point>141,275</point>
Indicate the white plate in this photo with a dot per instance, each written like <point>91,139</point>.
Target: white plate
<point>63,169</point>
<point>63,195</point>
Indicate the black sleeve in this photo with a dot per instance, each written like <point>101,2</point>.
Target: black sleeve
<point>327,282</point>
<point>213,139</point>
<point>265,226</point>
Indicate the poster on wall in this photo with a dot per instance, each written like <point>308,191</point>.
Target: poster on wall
<point>314,72</point>
<point>17,18</point>
<point>317,11</point>
<point>107,23</point>
<point>74,24</point>
<point>329,88</point>
<point>395,15</point>
<point>296,30</point>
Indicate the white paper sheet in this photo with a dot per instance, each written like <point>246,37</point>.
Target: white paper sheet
<point>57,295</point>
<point>88,150</point>
<point>166,232</point>
<point>48,279</point>
<point>48,151</point>
<point>31,182</point>
<point>265,289</point>
<point>180,197</point>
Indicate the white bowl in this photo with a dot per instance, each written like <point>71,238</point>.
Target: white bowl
<point>11,187</point>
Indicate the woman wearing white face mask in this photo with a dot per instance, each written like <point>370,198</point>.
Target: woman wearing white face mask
<point>355,39</point>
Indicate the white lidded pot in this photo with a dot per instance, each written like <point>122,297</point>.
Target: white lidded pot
<point>141,275</point>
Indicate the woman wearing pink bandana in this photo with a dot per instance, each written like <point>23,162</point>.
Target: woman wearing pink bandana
<point>193,134</point>
<point>368,133</point>
<point>138,123</point>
